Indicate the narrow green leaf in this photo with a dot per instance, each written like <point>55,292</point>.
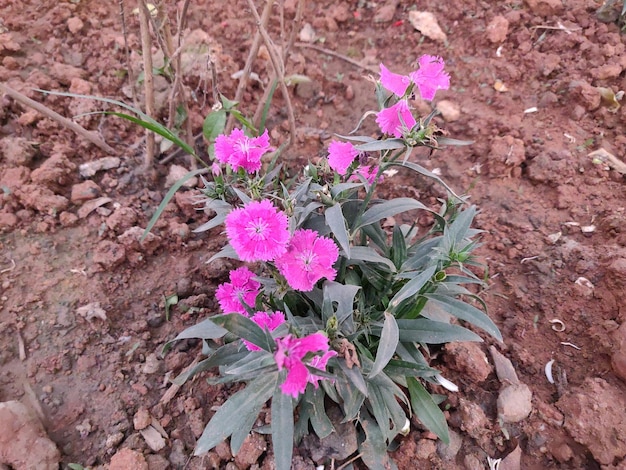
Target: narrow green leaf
<point>387,345</point>
<point>239,435</point>
<point>427,410</point>
<point>344,296</point>
<point>455,142</point>
<point>374,448</point>
<point>214,124</point>
<point>214,222</point>
<point>389,209</point>
<point>412,287</point>
<point>169,196</point>
<point>234,413</point>
<point>206,329</point>
<point>243,327</point>
<point>227,251</point>
<point>341,187</point>
<point>366,253</point>
<point>282,428</point>
<point>353,375</point>
<point>337,223</point>
<point>423,330</point>
<point>377,145</point>
<point>322,425</point>
<point>423,171</point>
<point>467,312</point>
<point>398,245</point>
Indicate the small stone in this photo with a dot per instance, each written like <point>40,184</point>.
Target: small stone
<point>84,191</point>
<point>425,449</point>
<point>90,206</point>
<point>80,86</point>
<point>126,459</point>
<point>74,24</point>
<point>7,220</point>
<point>113,440</point>
<point>109,254</point>
<point>585,95</point>
<point>252,448</point>
<point>17,151</point>
<point>449,110</point>
<point>89,169</point>
<point>157,462</point>
<point>152,364</point>
<point>504,368</point>
<point>385,13</point>
<point>67,219</point>
<point>449,451</point>
<point>153,438</point>
<point>514,403</point>
<point>468,358</point>
<point>121,219</point>
<point>307,33</point>
<point>497,29</point>
<point>426,23</point>
<point>545,7</point>
<point>142,419</point>
<point>176,173</point>
<point>471,462</point>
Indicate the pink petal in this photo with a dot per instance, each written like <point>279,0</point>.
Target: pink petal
<point>296,381</point>
<point>341,155</point>
<point>394,82</point>
<point>389,119</point>
<point>430,77</point>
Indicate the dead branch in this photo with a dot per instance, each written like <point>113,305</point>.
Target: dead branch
<point>148,81</point>
<point>77,128</point>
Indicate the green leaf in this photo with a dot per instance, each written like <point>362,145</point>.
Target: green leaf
<point>354,376</point>
<point>227,251</point>
<point>398,245</point>
<point>243,327</point>
<point>282,428</point>
<point>206,329</point>
<point>423,330</point>
<point>467,312</point>
<point>214,222</point>
<point>455,142</point>
<point>322,425</point>
<point>214,124</point>
<point>169,196</point>
<point>337,223</point>
<point>235,412</point>
<point>366,253</point>
<point>374,448</point>
<point>409,369</point>
<point>377,145</point>
<point>343,295</point>
<point>412,287</point>
<point>427,410</point>
<point>386,346</point>
<point>389,209</point>
<point>423,171</point>
<point>341,187</point>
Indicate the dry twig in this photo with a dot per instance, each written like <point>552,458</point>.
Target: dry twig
<point>148,81</point>
<point>279,69</point>
<point>337,55</point>
<point>77,128</point>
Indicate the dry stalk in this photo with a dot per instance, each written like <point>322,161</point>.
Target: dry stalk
<point>129,69</point>
<point>279,69</point>
<point>146,47</point>
<point>77,128</point>
<point>337,55</point>
<point>254,50</point>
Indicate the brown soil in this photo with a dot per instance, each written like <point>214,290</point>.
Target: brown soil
<point>554,221</point>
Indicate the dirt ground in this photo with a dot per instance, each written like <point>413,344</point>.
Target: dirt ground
<point>83,315</point>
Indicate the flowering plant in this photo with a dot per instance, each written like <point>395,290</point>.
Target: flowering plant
<point>330,309</point>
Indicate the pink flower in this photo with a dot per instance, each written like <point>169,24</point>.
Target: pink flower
<point>240,288</point>
<point>341,155</point>
<point>258,231</point>
<point>290,354</point>
<point>430,77</point>
<point>319,362</point>
<point>271,321</point>
<point>308,259</point>
<point>368,172</point>
<point>241,151</point>
<point>394,119</point>
<point>394,82</point>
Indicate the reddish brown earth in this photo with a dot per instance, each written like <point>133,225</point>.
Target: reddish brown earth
<point>554,221</point>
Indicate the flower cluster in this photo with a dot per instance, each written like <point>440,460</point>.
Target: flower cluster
<point>241,151</point>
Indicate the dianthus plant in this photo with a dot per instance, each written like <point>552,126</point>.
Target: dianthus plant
<point>327,308</point>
